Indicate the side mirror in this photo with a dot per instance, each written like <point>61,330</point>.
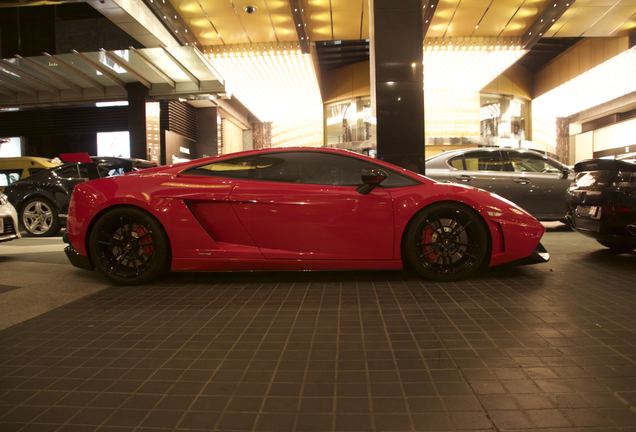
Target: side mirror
<point>370,179</point>
<point>565,172</point>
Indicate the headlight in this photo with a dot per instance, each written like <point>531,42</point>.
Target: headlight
<point>3,199</point>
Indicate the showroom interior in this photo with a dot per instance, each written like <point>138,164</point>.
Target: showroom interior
<point>262,303</point>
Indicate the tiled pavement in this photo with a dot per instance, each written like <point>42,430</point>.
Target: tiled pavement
<point>549,347</point>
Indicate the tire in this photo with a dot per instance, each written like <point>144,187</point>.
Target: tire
<point>617,246</point>
<point>129,246</point>
<point>39,217</point>
<point>446,242</point>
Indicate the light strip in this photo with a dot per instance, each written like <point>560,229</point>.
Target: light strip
<point>278,86</point>
<point>603,83</point>
<point>455,71</point>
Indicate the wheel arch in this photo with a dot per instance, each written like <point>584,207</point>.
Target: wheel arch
<point>446,201</point>
<point>106,210</point>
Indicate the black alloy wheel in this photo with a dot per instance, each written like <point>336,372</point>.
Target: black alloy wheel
<point>446,242</point>
<point>129,246</point>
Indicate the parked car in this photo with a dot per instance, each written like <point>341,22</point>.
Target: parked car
<point>13,169</point>
<point>531,180</point>
<point>292,209</point>
<point>42,199</point>
<point>8,220</point>
<point>602,202</point>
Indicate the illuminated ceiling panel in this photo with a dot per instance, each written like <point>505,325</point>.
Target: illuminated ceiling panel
<point>278,86</point>
<point>595,18</point>
<point>319,19</point>
<point>452,95</point>
<point>446,61</point>
<point>494,21</point>
<point>346,19</point>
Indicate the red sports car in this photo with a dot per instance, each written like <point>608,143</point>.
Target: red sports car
<point>292,209</point>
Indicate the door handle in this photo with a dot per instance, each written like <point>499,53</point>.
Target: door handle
<point>464,178</point>
<point>522,181</point>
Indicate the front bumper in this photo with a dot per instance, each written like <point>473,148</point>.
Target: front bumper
<point>78,260</point>
<point>539,256</point>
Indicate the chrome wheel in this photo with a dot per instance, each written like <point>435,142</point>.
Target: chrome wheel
<point>38,217</point>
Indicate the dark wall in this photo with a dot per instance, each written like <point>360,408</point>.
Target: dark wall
<point>49,132</point>
<point>29,31</point>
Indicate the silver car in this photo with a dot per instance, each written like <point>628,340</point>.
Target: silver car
<point>8,220</point>
<point>535,182</point>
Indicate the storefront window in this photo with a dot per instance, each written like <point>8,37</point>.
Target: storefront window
<point>350,125</point>
<point>503,120</point>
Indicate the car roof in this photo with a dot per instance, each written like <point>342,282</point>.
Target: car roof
<point>182,166</point>
<point>32,159</point>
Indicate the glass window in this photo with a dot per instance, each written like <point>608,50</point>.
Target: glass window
<point>457,162</point>
<point>88,171</point>
<point>300,167</point>
<point>484,161</point>
<point>67,171</point>
<point>527,162</point>
<point>8,177</point>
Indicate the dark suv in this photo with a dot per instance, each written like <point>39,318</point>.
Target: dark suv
<point>602,202</point>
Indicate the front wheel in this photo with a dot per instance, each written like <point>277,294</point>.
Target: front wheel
<point>129,246</point>
<point>446,242</point>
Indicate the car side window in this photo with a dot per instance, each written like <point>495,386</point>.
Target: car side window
<point>527,162</point>
<point>484,161</point>
<point>8,177</point>
<point>88,171</point>
<point>67,171</point>
<point>457,162</point>
<point>300,167</point>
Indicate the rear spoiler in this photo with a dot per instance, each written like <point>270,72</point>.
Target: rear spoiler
<point>604,165</point>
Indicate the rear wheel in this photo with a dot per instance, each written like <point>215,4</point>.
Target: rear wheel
<point>446,242</point>
<point>617,246</point>
<point>129,246</point>
<point>39,217</point>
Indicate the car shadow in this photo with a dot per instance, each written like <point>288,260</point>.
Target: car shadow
<point>611,259</point>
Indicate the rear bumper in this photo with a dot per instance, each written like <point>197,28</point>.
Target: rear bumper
<point>78,260</point>
<point>539,256</point>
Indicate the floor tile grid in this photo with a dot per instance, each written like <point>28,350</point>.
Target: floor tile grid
<point>143,298</point>
<point>254,315</point>
<point>306,294</point>
<point>403,290</point>
<point>298,420</point>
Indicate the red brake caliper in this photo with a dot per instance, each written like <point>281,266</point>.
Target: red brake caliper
<point>145,240</point>
<point>427,239</point>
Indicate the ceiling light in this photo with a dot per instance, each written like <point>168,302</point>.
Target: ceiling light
<point>285,76</point>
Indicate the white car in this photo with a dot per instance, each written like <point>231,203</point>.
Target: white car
<point>8,220</point>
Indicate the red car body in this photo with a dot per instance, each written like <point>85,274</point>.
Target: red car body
<point>217,223</point>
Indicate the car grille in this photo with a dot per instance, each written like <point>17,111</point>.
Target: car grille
<point>9,228</point>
